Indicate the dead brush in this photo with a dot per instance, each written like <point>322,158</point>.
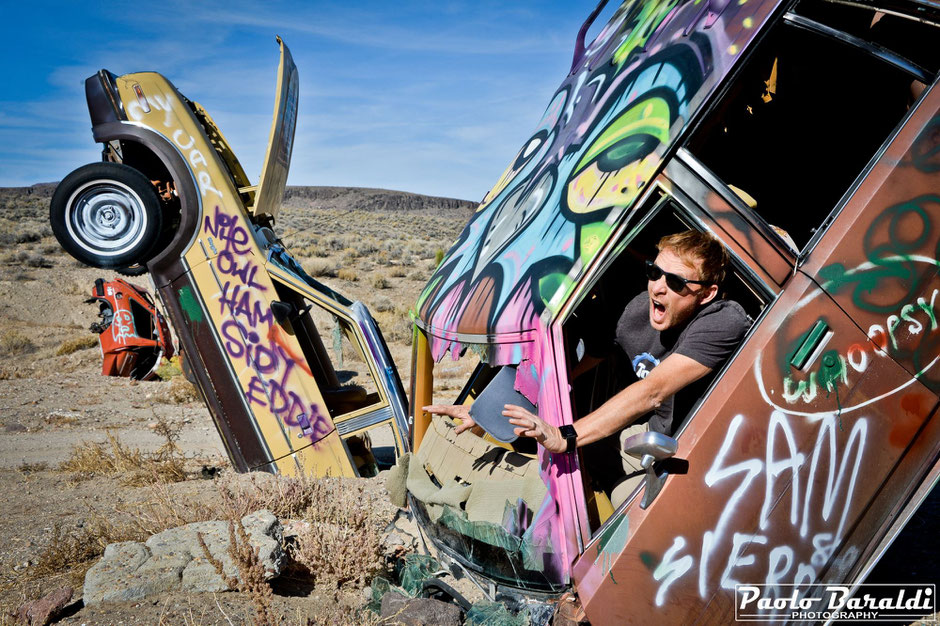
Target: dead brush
<point>71,552</point>
<point>137,468</point>
<point>75,344</point>
<point>347,274</point>
<point>251,573</point>
<point>321,268</point>
<point>13,343</point>
<point>286,497</point>
<point>163,509</point>
<point>178,391</point>
<point>342,545</point>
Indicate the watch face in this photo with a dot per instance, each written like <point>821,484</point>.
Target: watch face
<point>571,436</point>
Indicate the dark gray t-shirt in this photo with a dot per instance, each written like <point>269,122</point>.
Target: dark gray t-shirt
<point>710,337</point>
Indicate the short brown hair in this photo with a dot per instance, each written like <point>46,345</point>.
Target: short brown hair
<point>693,246</point>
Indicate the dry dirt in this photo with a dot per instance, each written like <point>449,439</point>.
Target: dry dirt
<point>384,243</point>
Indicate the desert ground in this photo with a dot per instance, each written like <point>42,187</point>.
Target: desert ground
<point>86,460</point>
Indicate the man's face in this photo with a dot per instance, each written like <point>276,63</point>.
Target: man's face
<point>668,308</point>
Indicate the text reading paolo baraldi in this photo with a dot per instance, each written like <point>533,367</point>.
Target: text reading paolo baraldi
<point>875,602</point>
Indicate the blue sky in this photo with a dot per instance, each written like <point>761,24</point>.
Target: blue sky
<point>429,97</point>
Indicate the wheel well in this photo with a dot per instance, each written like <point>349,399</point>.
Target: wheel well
<point>147,162</point>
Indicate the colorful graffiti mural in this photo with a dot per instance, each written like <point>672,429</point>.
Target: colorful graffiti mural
<point>599,142</point>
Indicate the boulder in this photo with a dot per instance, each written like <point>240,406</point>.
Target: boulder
<point>174,560</point>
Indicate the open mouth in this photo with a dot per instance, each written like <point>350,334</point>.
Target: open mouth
<point>658,310</point>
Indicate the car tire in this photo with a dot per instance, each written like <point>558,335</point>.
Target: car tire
<point>107,215</point>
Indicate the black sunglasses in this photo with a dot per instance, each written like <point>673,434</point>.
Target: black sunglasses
<point>673,281</point>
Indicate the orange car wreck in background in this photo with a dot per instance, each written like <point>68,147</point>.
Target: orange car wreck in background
<point>133,335</point>
<point>805,136</point>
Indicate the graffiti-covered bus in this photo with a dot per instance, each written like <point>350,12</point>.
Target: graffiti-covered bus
<point>803,136</point>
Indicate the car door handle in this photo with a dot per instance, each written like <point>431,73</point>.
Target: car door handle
<point>817,337</point>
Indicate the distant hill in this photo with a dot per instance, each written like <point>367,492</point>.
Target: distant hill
<point>364,199</point>
<point>24,212</point>
<point>334,198</point>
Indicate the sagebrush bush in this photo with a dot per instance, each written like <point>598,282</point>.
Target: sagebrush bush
<point>321,268</point>
<point>381,282</point>
<point>75,344</point>
<point>37,260</point>
<point>347,274</point>
<point>135,467</point>
<point>342,543</point>
<point>13,342</point>
<point>286,497</point>
<point>381,304</point>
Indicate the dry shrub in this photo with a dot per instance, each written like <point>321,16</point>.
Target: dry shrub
<point>77,343</point>
<point>382,304</point>
<point>13,342</point>
<point>321,268</point>
<point>395,325</point>
<point>38,260</point>
<point>27,468</point>
<point>163,509</point>
<point>381,282</point>
<point>348,274</point>
<point>285,496</point>
<point>138,468</point>
<point>251,573</point>
<point>178,391</point>
<point>398,272</point>
<point>71,552</point>
<point>343,543</point>
<point>366,247</point>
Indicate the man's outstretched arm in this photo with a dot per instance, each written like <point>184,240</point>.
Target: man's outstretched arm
<point>674,373</point>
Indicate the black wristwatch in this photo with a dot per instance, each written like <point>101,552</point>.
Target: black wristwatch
<point>570,435</point>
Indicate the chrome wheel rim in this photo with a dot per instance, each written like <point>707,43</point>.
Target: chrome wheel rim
<point>106,218</point>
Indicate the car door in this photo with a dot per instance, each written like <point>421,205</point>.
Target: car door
<point>774,489</point>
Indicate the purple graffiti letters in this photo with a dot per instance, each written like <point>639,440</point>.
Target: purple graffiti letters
<point>266,358</point>
<point>239,302</point>
<point>226,228</point>
<point>228,264</point>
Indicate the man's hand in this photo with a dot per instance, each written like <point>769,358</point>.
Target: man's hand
<point>530,425</point>
<point>454,411</point>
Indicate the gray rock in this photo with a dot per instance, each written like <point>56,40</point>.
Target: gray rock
<point>174,560</point>
<point>400,610</point>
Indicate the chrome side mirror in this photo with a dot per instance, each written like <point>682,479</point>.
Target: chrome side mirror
<point>649,448</point>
